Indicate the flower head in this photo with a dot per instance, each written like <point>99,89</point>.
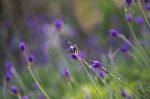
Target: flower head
<point>72,49</point>
<point>123,93</point>
<point>14,89</point>
<point>129,97</point>
<point>102,74</point>
<point>124,48</point>
<point>128,17</point>
<point>96,64</point>
<point>22,46</point>
<point>40,96</point>
<point>58,23</point>
<point>34,85</point>
<point>8,76</point>
<point>139,20</point>
<point>31,58</point>
<point>114,32</point>
<point>128,2</point>
<point>66,73</point>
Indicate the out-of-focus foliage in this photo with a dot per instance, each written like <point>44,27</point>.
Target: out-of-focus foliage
<point>86,23</point>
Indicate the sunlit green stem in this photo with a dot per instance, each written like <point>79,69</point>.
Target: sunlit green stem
<point>38,84</point>
<point>118,78</point>
<point>142,11</point>
<point>19,96</point>
<point>89,77</point>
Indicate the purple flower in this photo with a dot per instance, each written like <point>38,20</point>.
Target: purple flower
<point>58,23</point>
<point>114,32</point>
<point>128,17</point>
<point>25,97</point>
<point>139,20</point>
<point>128,1</point>
<point>8,65</point>
<point>14,89</point>
<point>35,86</point>
<point>66,73</point>
<point>124,48</point>
<point>123,93</point>
<point>31,57</point>
<point>40,96</point>
<point>96,64</point>
<point>8,76</point>
<point>73,56</point>
<point>148,6</point>
<point>72,49</point>
<point>129,97</point>
<point>80,54</point>
<point>22,46</point>
<point>102,74</point>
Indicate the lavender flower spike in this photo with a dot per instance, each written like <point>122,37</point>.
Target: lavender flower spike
<point>96,64</point>
<point>31,58</point>
<point>58,23</point>
<point>22,46</point>
<point>139,20</point>
<point>128,17</point>
<point>123,93</point>
<point>114,32</point>
<point>14,89</point>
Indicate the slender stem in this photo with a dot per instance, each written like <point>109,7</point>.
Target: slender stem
<point>126,40</point>
<point>19,96</point>
<point>136,41</point>
<point>38,84</point>
<point>89,77</point>
<point>145,17</point>
<point>138,44</point>
<point>118,78</point>
<point>121,82</point>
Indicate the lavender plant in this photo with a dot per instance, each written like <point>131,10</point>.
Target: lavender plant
<point>96,64</point>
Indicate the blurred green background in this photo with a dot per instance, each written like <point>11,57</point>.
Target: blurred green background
<point>86,24</point>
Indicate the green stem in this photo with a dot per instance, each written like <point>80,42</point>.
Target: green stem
<point>89,77</point>
<point>142,11</point>
<point>121,82</point>
<point>38,84</point>
<point>118,78</point>
<point>138,44</point>
<point>19,96</point>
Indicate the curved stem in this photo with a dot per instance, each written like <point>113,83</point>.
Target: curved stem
<point>137,42</point>
<point>89,77</point>
<point>121,82</point>
<point>145,17</point>
<point>38,84</point>
<point>118,78</point>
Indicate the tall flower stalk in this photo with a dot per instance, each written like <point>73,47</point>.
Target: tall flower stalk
<point>74,50</point>
<point>29,59</point>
